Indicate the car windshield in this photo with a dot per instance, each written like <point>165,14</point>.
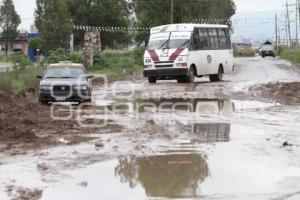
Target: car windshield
<point>64,73</point>
<point>169,40</point>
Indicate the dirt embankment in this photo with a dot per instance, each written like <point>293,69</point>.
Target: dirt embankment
<point>21,120</point>
<point>284,93</point>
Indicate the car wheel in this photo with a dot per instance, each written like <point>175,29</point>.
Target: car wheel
<point>152,79</point>
<point>217,77</point>
<point>45,103</point>
<point>88,100</point>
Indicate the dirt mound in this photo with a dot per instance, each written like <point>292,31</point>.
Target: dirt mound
<point>284,93</point>
<point>20,120</point>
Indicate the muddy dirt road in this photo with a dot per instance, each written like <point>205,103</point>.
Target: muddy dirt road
<point>237,139</point>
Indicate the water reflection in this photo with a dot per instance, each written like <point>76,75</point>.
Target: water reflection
<point>205,106</point>
<point>210,133</point>
<point>171,176</point>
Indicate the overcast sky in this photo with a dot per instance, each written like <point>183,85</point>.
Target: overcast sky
<point>259,5</point>
<point>26,8</point>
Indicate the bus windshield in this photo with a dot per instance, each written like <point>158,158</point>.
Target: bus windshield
<point>169,40</point>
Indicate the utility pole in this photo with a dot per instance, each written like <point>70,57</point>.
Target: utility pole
<point>296,23</point>
<point>276,31</point>
<point>298,19</point>
<point>286,31</point>
<point>172,11</point>
<point>288,22</point>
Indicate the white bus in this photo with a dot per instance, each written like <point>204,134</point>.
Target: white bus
<point>185,51</point>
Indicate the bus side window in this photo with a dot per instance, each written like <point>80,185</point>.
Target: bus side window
<point>195,40</point>
<point>228,40</point>
<point>222,39</point>
<point>204,39</point>
<point>213,37</point>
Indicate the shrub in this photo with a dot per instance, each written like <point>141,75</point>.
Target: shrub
<point>118,63</point>
<point>99,58</point>
<point>76,57</point>
<point>20,62</point>
<point>35,43</point>
<point>138,55</point>
<point>19,80</point>
<point>57,56</point>
<point>62,55</point>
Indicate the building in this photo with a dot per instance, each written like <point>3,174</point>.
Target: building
<point>20,44</point>
<point>242,48</point>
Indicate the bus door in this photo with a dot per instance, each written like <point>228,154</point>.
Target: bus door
<point>194,57</point>
<point>212,58</point>
<point>204,51</point>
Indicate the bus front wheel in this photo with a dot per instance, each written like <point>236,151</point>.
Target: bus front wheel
<point>191,76</point>
<point>217,77</point>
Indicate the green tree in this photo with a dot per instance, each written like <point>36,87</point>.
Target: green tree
<point>54,24</point>
<point>158,12</point>
<point>222,9</point>
<point>105,13</point>
<point>35,43</point>
<point>9,22</point>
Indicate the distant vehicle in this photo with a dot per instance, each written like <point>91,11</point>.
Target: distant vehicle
<point>267,49</point>
<point>185,51</point>
<point>65,82</point>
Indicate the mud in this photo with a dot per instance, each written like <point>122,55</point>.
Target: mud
<point>23,193</point>
<point>284,93</point>
<point>26,124</point>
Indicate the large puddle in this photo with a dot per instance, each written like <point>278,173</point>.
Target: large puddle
<point>180,176</point>
<point>169,176</point>
<point>208,154</point>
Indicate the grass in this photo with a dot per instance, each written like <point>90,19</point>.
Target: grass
<point>243,54</point>
<point>117,64</point>
<point>291,55</point>
<point>19,80</point>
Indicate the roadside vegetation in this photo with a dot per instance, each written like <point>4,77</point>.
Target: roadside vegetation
<point>118,63</point>
<point>292,54</point>
<point>19,80</point>
<point>243,54</point>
